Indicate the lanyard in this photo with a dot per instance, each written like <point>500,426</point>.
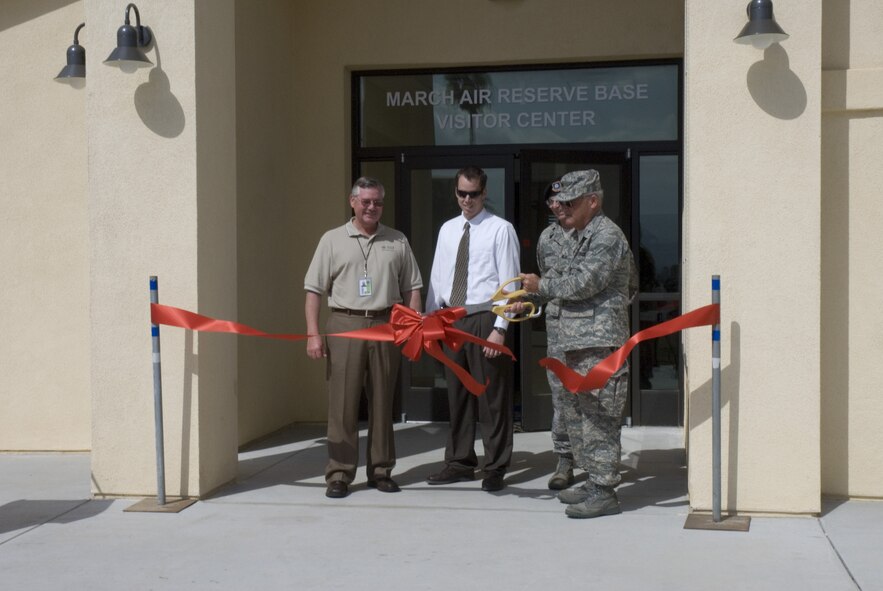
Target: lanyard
<point>365,255</point>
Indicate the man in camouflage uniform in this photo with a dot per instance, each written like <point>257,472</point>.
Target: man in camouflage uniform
<point>588,275</point>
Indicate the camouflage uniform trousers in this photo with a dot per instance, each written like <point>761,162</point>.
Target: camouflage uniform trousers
<point>592,420</point>
<point>560,437</point>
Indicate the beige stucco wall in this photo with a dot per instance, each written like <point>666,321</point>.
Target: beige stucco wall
<point>752,214</point>
<point>331,39</point>
<point>162,202</point>
<point>852,285</point>
<point>44,242</point>
<point>271,214</point>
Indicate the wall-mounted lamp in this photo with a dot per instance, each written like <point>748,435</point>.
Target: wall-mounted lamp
<point>74,73</point>
<point>762,29</point>
<point>128,55</point>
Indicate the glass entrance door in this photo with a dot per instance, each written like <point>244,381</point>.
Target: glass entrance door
<point>427,201</point>
<point>538,169</point>
<point>641,195</point>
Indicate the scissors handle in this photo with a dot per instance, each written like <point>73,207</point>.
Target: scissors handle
<point>532,310</point>
<point>501,294</point>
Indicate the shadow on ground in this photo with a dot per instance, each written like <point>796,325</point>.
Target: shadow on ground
<point>25,514</point>
<point>296,456</point>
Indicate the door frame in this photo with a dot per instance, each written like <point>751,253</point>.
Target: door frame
<point>430,403</point>
<point>536,405</point>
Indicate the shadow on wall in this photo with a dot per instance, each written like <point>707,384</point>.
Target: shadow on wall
<point>835,367</point>
<point>835,248</point>
<point>16,12</point>
<point>700,412</point>
<point>774,87</point>
<point>158,108</point>
<point>191,371</point>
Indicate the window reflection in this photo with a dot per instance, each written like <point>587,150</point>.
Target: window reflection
<point>659,270</point>
<point>658,252</point>
<point>658,367</point>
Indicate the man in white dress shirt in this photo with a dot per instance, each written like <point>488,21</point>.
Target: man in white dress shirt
<point>489,255</point>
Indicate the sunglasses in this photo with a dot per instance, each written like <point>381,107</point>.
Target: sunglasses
<point>368,202</point>
<point>470,194</point>
<point>563,204</point>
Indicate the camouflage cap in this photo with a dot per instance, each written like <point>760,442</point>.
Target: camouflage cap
<point>575,184</point>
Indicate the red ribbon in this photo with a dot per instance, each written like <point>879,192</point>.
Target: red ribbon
<point>406,328</point>
<point>170,316</point>
<point>598,376</point>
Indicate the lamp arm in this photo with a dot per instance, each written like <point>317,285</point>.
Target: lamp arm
<point>137,14</point>
<point>77,34</point>
<point>144,34</point>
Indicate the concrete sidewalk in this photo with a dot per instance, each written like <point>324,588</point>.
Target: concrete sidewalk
<point>275,529</point>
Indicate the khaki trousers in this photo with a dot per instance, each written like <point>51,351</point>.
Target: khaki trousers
<point>355,364</point>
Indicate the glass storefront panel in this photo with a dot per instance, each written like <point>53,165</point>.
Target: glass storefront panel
<point>658,360</point>
<point>433,203</point>
<point>538,169</point>
<point>659,357</point>
<point>576,105</point>
<point>658,223</point>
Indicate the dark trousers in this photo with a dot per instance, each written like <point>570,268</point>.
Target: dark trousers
<point>352,365</point>
<point>493,409</point>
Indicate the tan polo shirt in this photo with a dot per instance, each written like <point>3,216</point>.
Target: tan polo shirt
<point>345,257</point>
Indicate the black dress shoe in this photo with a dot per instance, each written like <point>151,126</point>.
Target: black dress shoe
<point>450,475</point>
<point>386,484</point>
<point>492,483</point>
<point>337,489</point>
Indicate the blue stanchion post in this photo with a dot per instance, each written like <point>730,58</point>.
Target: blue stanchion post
<point>716,404</point>
<point>157,401</point>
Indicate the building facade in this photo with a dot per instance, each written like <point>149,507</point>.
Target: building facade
<point>218,168</point>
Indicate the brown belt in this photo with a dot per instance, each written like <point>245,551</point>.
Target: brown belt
<point>363,313</point>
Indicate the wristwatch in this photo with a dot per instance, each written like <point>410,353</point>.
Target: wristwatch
<point>500,330</point>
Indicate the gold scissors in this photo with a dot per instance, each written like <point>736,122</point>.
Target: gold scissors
<point>532,311</point>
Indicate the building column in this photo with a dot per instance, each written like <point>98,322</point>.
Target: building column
<point>752,213</point>
<point>162,201</point>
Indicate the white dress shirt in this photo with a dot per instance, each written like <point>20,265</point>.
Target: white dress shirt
<point>494,256</point>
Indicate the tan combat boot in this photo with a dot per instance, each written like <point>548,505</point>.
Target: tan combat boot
<point>563,476</point>
<point>604,502</point>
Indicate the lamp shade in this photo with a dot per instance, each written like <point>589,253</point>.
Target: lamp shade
<point>762,30</point>
<point>74,73</point>
<point>128,55</point>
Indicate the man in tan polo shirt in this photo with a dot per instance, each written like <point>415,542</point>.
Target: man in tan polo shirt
<point>364,268</point>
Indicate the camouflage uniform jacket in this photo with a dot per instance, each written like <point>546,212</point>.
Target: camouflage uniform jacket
<point>588,278</point>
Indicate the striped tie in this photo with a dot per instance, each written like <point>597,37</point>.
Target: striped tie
<point>461,270</point>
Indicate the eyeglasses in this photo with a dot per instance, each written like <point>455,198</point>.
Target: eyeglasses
<point>369,202</point>
<point>470,194</point>
<point>563,204</point>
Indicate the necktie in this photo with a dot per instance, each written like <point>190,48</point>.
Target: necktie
<point>461,270</point>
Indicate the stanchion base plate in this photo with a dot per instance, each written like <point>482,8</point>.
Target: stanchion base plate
<point>727,522</point>
<point>149,505</point>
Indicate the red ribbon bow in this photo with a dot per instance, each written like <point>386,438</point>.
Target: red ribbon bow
<point>415,333</point>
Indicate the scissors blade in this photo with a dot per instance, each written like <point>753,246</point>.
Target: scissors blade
<point>476,308</point>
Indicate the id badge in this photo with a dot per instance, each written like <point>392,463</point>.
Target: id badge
<point>365,286</point>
